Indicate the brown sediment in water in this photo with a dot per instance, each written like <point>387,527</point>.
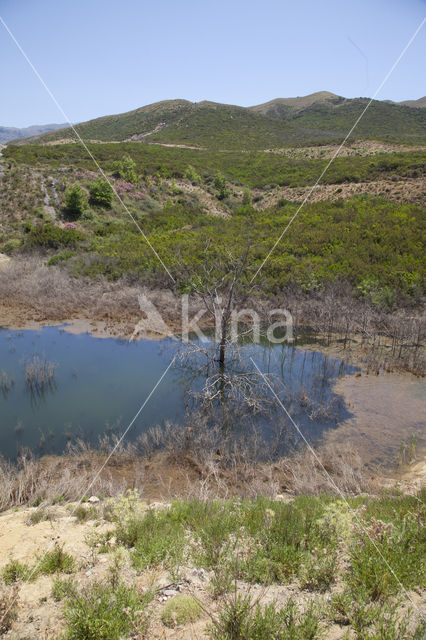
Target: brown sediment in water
<point>388,411</point>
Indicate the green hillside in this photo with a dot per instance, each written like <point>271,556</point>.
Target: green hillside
<point>313,119</point>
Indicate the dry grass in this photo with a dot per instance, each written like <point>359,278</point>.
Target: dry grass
<point>391,341</point>
<point>180,462</point>
<point>8,607</point>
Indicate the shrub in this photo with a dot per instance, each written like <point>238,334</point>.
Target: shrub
<point>11,246</point>
<point>83,514</point>
<point>221,186</point>
<point>56,561</point>
<point>66,254</point>
<point>15,571</point>
<point>158,540</point>
<point>62,588</point>
<point>52,236</point>
<point>38,516</point>
<point>241,619</point>
<point>75,201</point>
<point>100,612</point>
<point>101,193</point>
<point>181,610</point>
<point>192,175</point>
<point>125,168</point>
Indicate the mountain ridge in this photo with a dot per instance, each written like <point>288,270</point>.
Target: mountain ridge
<point>316,118</point>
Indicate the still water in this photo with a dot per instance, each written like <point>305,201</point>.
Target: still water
<point>100,384</point>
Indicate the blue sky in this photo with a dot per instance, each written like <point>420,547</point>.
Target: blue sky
<point>100,57</point>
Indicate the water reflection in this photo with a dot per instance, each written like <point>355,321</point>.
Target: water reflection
<point>99,384</point>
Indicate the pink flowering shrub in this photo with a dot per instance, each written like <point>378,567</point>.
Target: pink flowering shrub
<point>70,225</point>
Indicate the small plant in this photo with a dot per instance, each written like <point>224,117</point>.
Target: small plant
<point>319,570</point>
<point>192,175</point>
<point>101,612</point>
<point>6,382</point>
<point>243,619</point>
<point>83,514</point>
<point>15,571</point>
<point>56,561</point>
<point>39,374</point>
<point>157,537</point>
<point>180,611</point>
<point>38,516</point>
<point>62,588</point>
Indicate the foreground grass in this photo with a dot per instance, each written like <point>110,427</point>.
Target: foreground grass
<point>348,563</point>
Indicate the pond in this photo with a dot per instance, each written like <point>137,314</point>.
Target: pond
<point>99,384</point>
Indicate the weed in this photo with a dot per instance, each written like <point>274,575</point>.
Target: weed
<point>15,571</point>
<point>62,588</point>
<point>180,611</point>
<point>83,514</point>
<point>101,612</point>
<point>39,515</point>
<point>243,619</point>
<point>56,561</point>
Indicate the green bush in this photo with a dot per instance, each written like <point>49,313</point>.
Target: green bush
<point>101,612</point>
<point>192,175</point>
<point>125,168</point>
<point>11,246</point>
<point>101,193</point>
<point>56,561</point>
<point>15,571</point>
<point>60,257</point>
<point>242,619</point>
<point>52,236</point>
<point>75,201</point>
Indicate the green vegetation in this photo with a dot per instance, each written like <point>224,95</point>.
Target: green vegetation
<point>101,193</point>
<point>243,619</point>
<point>126,168</point>
<point>283,541</point>
<point>373,244</point>
<point>83,514</point>
<point>106,612</point>
<point>50,236</point>
<point>229,127</point>
<point>15,571</point>
<point>252,169</point>
<point>75,201</point>
<point>181,610</point>
<point>356,557</point>
<point>55,561</point>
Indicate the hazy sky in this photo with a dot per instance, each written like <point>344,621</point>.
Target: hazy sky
<point>100,57</point>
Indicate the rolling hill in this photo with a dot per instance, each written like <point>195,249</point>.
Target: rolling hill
<point>319,117</point>
<point>11,133</point>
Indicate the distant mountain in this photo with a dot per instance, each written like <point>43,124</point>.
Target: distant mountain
<point>11,133</point>
<point>319,117</point>
<point>418,104</point>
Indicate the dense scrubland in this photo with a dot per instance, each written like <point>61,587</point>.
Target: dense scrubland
<point>371,242</point>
